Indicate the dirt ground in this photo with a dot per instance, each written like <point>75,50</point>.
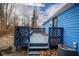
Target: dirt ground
<point>24,53</point>
<point>6,41</point>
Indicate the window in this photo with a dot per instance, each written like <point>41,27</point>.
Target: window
<point>54,22</point>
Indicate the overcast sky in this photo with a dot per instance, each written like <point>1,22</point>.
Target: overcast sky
<point>45,10</point>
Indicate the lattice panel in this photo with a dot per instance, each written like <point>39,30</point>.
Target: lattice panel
<point>55,36</point>
<point>21,35</point>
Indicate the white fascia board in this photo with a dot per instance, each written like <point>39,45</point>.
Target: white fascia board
<point>64,8</point>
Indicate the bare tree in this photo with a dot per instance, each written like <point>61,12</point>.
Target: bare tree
<point>8,8</point>
<point>2,21</point>
<point>15,21</point>
<point>35,17</point>
<point>6,18</point>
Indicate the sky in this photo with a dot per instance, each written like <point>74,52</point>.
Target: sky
<point>45,10</point>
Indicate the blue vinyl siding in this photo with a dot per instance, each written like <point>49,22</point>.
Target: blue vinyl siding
<point>47,25</point>
<point>70,21</point>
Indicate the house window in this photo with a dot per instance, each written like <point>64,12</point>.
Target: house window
<point>54,22</point>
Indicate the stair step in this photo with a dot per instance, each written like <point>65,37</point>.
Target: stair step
<point>39,47</point>
<point>34,53</point>
<point>38,44</point>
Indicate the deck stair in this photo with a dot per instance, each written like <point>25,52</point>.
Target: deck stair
<point>37,44</point>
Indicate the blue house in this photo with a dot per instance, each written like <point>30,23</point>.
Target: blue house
<point>68,18</point>
<point>47,24</point>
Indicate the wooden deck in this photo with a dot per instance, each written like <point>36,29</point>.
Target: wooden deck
<point>8,41</point>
